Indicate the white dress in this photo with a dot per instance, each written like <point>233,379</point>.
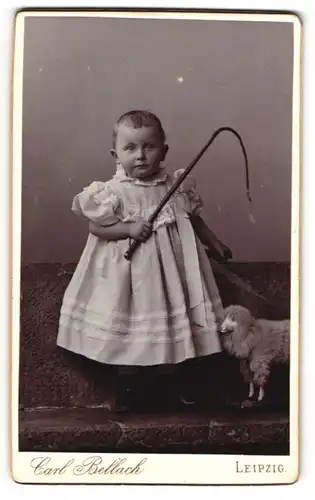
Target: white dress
<point>160,307</point>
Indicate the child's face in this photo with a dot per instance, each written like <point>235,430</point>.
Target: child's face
<point>139,150</point>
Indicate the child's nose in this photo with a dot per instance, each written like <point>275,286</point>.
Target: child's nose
<point>141,153</point>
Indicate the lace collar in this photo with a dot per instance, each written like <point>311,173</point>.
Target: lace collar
<point>161,177</point>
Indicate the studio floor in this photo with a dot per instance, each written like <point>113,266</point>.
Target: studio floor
<point>66,401</point>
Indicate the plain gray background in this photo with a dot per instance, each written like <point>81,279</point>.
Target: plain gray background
<point>80,74</point>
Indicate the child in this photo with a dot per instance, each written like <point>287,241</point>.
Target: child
<point>162,306</point>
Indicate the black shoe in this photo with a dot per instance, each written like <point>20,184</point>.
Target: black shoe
<point>126,389</point>
<point>134,393</point>
<point>187,400</point>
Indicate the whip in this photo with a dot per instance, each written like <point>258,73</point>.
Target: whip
<point>134,245</point>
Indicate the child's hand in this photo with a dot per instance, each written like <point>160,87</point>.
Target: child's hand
<point>140,230</point>
<point>223,251</point>
<point>188,183</point>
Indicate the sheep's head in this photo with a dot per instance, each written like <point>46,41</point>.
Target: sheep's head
<point>234,329</point>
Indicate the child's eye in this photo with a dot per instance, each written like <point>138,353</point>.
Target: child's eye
<point>150,146</point>
<point>129,147</point>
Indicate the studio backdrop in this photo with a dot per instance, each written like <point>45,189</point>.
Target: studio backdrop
<point>81,74</point>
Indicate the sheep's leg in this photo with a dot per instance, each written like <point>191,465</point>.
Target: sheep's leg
<point>261,394</point>
<point>260,381</point>
<point>251,390</point>
<point>247,375</point>
<point>261,371</point>
<point>245,371</point>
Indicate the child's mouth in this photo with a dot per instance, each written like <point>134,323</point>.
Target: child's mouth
<point>142,168</point>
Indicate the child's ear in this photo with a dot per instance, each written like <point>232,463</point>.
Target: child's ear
<point>113,153</point>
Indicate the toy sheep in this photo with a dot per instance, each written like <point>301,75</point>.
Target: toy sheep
<point>258,343</point>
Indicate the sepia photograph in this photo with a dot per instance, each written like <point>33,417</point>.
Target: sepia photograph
<point>156,194</point>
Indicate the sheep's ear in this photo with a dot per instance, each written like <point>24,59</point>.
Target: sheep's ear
<point>251,324</point>
<point>222,316</point>
<point>252,319</point>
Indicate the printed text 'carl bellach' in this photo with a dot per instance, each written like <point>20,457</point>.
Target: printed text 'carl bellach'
<point>90,466</point>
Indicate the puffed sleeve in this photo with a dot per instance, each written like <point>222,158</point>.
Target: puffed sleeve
<point>98,202</point>
<point>188,187</point>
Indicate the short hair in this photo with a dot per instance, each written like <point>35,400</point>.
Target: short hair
<point>137,119</point>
